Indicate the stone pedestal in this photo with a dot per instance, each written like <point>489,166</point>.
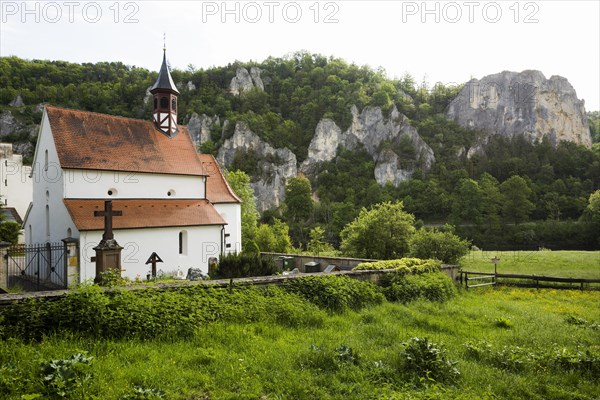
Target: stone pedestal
<point>108,256</point>
<point>4,266</point>
<point>72,254</point>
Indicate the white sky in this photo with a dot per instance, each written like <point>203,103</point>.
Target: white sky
<point>486,37</point>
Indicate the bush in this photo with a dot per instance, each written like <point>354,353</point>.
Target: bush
<point>335,293</point>
<point>426,362</point>
<point>403,265</point>
<point>240,265</point>
<point>440,245</point>
<point>434,286</point>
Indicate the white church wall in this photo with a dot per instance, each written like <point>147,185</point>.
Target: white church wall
<point>95,184</point>
<point>138,244</point>
<point>232,214</point>
<point>16,185</point>
<point>48,219</point>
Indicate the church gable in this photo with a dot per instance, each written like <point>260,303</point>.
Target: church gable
<point>217,188</point>
<point>86,140</point>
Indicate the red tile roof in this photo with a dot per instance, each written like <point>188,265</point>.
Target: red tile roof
<point>86,140</point>
<point>144,213</point>
<point>217,188</point>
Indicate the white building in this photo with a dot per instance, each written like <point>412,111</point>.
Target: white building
<point>15,180</point>
<point>174,201</point>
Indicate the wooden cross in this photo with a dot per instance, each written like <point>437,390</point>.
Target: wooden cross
<point>154,258</point>
<point>108,213</point>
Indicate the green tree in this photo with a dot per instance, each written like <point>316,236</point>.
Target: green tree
<point>240,183</point>
<point>298,199</point>
<point>273,238</point>
<point>317,245</point>
<point>467,203</point>
<point>516,203</point>
<point>381,232</point>
<point>442,245</point>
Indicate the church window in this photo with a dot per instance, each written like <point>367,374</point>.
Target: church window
<point>164,102</point>
<point>30,235</point>
<point>69,232</point>
<point>174,104</point>
<point>47,220</point>
<point>46,160</point>
<point>47,196</point>
<point>183,242</point>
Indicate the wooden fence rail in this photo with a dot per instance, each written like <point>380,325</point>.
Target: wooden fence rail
<point>536,279</point>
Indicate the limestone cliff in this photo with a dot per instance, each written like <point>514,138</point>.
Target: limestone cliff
<point>244,81</point>
<point>275,166</point>
<point>511,103</point>
<point>380,136</point>
<point>199,127</point>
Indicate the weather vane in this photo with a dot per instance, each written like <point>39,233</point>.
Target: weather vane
<point>164,41</point>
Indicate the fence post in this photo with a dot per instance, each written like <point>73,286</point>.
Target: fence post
<point>4,266</point>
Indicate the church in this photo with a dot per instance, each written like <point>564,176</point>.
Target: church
<point>172,200</point>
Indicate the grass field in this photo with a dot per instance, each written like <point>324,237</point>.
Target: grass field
<point>565,264</point>
<point>502,339</point>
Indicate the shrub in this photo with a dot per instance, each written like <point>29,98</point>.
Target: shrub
<point>335,293</point>
<point>239,265</point>
<point>425,362</point>
<point>433,286</point>
<point>440,245</point>
<point>403,265</point>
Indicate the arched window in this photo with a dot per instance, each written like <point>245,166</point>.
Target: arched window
<point>30,235</point>
<point>47,220</point>
<point>164,102</point>
<point>183,243</point>
<point>69,233</point>
<point>46,160</point>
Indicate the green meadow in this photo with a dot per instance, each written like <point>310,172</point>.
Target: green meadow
<point>493,343</point>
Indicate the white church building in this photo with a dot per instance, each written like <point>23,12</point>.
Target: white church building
<point>174,201</point>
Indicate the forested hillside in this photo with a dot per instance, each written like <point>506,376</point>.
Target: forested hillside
<point>468,190</point>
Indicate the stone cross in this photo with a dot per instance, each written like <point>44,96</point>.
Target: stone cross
<point>108,213</point>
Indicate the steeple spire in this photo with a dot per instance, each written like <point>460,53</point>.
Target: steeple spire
<point>165,95</point>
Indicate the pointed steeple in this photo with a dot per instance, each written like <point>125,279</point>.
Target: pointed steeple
<point>164,80</point>
<point>165,95</point>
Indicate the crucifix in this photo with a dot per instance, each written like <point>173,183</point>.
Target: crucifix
<point>108,213</point>
<point>154,258</point>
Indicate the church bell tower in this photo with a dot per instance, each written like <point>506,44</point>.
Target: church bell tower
<point>165,94</point>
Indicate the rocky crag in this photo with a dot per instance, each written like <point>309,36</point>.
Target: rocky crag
<point>525,103</point>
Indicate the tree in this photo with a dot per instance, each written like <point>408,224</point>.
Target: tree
<point>516,203</point>
<point>316,244</point>
<point>441,245</point>
<point>298,199</point>
<point>240,183</point>
<point>381,232</point>
<point>467,203</point>
<point>273,238</point>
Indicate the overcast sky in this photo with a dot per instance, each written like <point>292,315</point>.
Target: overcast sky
<point>435,41</point>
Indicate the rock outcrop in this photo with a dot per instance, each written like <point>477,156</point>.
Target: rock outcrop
<point>379,136</point>
<point>199,127</point>
<point>244,81</point>
<point>17,102</point>
<point>511,103</point>
<point>275,166</point>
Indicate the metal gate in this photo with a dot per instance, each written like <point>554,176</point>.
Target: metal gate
<point>37,267</point>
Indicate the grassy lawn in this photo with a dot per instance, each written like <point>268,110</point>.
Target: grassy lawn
<point>257,360</point>
<point>566,264</point>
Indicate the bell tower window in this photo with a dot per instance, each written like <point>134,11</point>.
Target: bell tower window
<point>174,104</point>
<point>164,102</point>
<point>155,103</point>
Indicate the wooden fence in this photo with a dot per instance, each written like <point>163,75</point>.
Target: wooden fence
<point>487,279</point>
